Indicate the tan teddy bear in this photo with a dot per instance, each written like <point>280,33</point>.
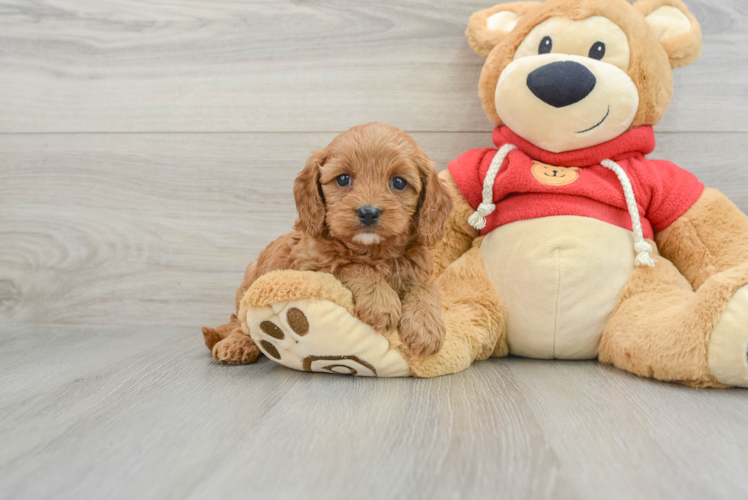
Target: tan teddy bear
<point>565,241</point>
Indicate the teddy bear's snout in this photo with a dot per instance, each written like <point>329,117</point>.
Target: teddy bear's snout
<point>561,83</point>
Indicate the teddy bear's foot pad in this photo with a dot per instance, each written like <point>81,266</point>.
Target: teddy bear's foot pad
<point>728,347</point>
<point>321,336</point>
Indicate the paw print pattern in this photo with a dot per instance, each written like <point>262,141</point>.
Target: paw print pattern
<point>269,349</point>
<point>347,365</point>
<point>272,329</point>
<point>296,320</point>
<point>320,336</point>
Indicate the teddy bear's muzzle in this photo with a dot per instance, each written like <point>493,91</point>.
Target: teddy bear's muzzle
<point>561,83</point>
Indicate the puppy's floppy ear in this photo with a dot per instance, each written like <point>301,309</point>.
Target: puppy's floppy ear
<point>310,201</point>
<point>675,27</point>
<point>487,28</point>
<point>434,205</point>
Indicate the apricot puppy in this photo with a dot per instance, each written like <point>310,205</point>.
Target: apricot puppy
<point>370,207</point>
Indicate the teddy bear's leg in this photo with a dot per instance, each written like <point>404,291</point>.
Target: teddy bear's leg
<point>473,315</point>
<point>711,237</point>
<point>304,320</point>
<point>662,328</point>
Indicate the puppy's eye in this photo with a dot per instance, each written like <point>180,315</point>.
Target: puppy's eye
<point>546,46</point>
<point>398,184</point>
<point>597,51</point>
<point>343,180</point>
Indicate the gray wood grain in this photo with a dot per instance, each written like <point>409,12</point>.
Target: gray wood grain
<point>131,412</point>
<point>133,65</point>
<point>147,154</point>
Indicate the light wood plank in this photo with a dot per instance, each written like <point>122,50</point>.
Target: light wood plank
<point>158,228</point>
<point>135,66</point>
<point>132,412</point>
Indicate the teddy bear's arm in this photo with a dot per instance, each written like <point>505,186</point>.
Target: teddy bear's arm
<point>711,237</point>
<point>458,234</point>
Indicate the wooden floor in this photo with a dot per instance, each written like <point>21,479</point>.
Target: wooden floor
<point>147,154</point>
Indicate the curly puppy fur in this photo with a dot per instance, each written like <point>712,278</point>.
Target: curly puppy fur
<point>387,266</point>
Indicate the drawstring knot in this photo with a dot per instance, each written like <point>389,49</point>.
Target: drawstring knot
<point>644,254</point>
<point>643,249</point>
<point>478,219</point>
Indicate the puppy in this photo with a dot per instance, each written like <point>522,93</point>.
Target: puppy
<point>370,205</point>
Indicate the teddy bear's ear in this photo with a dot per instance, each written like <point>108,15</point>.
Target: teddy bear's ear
<point>675,27</point>
<point>487,28</point>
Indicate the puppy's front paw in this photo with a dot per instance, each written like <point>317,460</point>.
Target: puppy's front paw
<point>381,309</point>
<point>236,349</point>
<point>423,331</point>
<point>380,319</point>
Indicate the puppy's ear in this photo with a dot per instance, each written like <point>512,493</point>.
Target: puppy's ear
<point>310,201</point>
<point>675,27</point>
<point>434,205</point>
<point>487,28</point>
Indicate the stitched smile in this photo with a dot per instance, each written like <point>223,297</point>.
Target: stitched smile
<point>555,174</point>
<point>599,123</point>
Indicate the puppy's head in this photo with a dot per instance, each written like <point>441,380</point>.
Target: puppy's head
<point>372,185</point>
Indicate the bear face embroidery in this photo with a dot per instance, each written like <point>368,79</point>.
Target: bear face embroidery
<point>550,175</point>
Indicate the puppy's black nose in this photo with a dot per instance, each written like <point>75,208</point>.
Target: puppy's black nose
<point>561,83</point>
<point>368,215</point>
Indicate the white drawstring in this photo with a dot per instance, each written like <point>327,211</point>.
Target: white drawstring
<point>643,249</point>
<point>478,219</point>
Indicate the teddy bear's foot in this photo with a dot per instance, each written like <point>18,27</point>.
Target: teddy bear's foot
<point>303,320</point>
<point>728,346</point>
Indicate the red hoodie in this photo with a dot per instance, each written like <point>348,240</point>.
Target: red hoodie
<point>530,183</point>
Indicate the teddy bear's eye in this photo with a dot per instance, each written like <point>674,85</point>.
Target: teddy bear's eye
<point>597,51</point>
<point>546,45</point>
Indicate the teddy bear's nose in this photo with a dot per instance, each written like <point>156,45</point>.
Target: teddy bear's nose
<point>561,83</point>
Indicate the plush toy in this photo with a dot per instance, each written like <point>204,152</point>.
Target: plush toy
<point>565,242</point>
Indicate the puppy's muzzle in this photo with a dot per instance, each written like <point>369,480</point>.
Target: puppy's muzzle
<point>368,216</point>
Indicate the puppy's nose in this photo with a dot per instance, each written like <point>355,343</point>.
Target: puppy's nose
<point>561,83</point>
<point>368,215</point>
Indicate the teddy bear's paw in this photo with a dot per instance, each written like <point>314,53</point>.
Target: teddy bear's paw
<point>728,346</point>
<point>321,336</point>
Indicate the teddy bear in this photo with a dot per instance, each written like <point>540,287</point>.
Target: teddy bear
<point>565,240</point>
